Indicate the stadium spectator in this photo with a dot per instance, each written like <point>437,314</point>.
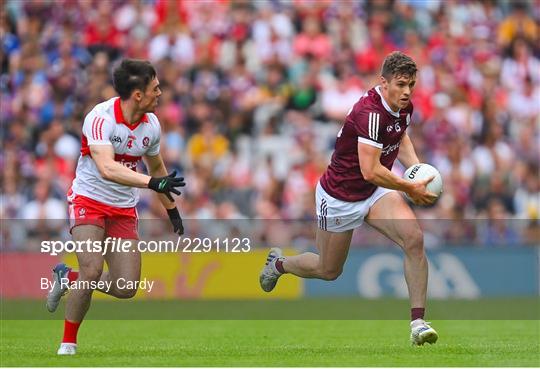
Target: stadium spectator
<point>517,24</point>
<point>262,79</point>
<point>208,145</point>
<point>44,216</point>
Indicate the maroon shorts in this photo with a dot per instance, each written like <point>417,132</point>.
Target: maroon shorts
<point>117,222</point>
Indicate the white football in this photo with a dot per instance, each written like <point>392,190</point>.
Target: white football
<point>422,171</point>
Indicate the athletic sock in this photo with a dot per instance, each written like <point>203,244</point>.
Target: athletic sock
<point>72,276</point>
<point>70,331</point>
<point>417,313</point>
<point>279,265</point>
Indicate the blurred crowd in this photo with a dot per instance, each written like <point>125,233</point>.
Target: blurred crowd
<point>254,93</point>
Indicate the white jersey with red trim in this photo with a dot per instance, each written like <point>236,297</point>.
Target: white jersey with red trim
<point>105,125</point>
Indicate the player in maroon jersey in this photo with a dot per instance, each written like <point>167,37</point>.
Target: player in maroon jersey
<point>359,184</point>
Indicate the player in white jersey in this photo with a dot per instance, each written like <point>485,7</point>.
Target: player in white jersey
<point>117,134</point>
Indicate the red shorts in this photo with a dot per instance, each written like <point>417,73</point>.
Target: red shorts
<point>117,222</point>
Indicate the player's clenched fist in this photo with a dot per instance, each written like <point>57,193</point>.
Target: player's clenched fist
<point>166,185</point>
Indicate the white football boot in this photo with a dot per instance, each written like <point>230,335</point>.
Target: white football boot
<point>421,332</point>
<point>59,273</point>
<point>67,349</point>
<point>269,274</point>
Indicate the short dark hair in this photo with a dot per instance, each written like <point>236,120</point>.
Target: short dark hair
<point>398,64</point>
<point>131,75</point>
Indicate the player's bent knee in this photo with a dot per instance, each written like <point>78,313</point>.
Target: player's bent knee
<point>125,289</point>
<point>414,241</point>
<point>90,273</point>
<point>126,293</point>
<point>330,274</point>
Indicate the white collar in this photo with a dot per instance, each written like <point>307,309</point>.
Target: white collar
<point>394,113</point>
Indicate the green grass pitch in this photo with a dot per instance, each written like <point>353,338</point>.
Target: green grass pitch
<point>260,343</point>
<point>254,342</point>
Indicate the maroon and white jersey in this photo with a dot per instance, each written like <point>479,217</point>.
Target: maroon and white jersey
<point>371,122</point>
<point>105,125</point>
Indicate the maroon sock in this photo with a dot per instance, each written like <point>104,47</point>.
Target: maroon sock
<point>72,276</point>
<point>70,331</point>
<point>279,265</point>
<point>417,313</point>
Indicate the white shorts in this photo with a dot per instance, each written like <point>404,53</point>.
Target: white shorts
<point>339,216</point>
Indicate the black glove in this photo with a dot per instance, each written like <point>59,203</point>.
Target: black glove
<point>166,185</point>
<point>176,221</point>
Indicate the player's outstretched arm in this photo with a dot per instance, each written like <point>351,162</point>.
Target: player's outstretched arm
<point>407,155</point>
<point>374,172</point>
<point>109,169</point>
<point>156,168</point>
